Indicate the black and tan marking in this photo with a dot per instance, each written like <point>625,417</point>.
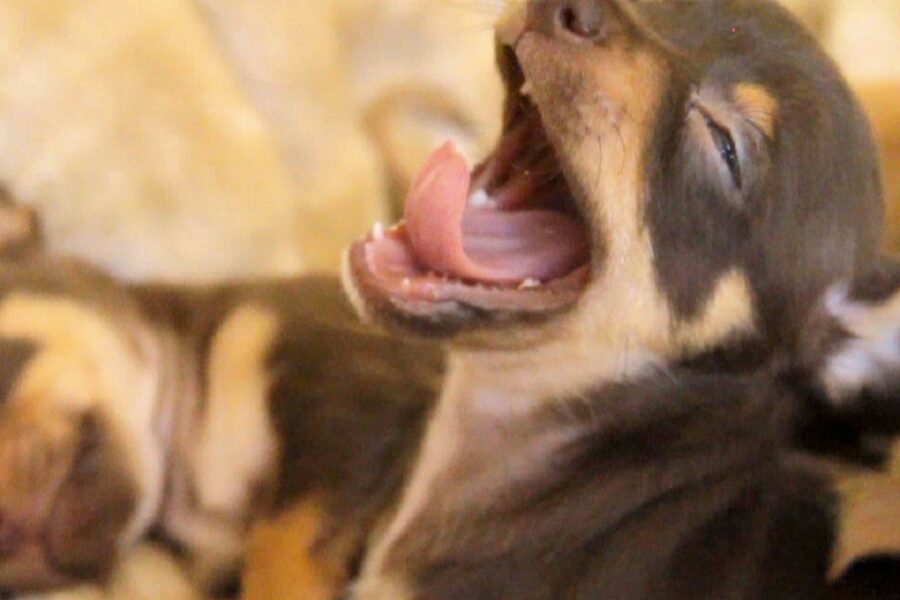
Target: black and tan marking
<point>631,434</point>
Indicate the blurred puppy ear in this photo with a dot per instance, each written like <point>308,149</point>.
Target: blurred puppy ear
<point>851,347</point>
<point>20,229</point>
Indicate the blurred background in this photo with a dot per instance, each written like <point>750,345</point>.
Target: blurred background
<point>201,139</point>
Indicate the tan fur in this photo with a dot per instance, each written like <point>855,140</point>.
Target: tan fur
<point>85,362</point>
<point>758,105</point>
<point>623,311</point>
<point>870,513</point>
<point>226,453</point>
<point>729,311</point>
<point>304,573</point>
<point>392,588</point>
<point>235,448</point>
<point>880,101</point>
<point>36,453</point>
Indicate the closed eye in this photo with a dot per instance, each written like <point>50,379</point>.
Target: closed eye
<point>727,149</point>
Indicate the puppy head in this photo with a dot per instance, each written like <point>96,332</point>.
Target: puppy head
<point>79,476</point>
<point>672,176</point>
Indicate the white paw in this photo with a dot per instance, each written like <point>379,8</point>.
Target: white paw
<point>871,355</point>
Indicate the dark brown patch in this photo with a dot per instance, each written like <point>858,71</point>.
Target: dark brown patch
<point>92,508</point>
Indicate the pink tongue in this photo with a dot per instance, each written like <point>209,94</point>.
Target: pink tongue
<point>483,244</point>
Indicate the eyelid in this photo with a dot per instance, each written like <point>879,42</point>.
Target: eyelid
<point>714,124</point>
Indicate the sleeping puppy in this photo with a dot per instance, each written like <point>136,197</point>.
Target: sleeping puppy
<point>666,268</point>
<point>179,415</point>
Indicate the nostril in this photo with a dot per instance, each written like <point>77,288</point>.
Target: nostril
<point>583,19</point>
<point>570,19</point>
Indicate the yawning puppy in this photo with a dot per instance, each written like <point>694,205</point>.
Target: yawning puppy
<point>679,223</point>
<point>181,415</point>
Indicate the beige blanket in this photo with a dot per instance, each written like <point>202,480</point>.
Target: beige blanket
<point>182,139</point>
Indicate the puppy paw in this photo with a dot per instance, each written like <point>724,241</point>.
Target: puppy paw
<point>865,355</point>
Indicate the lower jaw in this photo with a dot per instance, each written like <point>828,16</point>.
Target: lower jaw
<point>433,304</point>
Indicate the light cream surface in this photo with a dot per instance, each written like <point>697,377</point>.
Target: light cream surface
<point>122,124</point>
<point>199,139</point>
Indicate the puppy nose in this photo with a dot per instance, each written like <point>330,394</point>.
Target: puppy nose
<point>582,19</point>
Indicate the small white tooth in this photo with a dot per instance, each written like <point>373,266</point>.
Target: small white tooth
<point>407,283</point>
<point>378,232</point>
<point>396,226</point>
<point>529,284</point>
<point>527,89</point>
<point>481,199</point>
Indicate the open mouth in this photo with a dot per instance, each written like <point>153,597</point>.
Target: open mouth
<point>505,237</point>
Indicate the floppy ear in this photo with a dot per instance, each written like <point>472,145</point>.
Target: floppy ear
<point>20,229</point>
<point>851,348</point>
